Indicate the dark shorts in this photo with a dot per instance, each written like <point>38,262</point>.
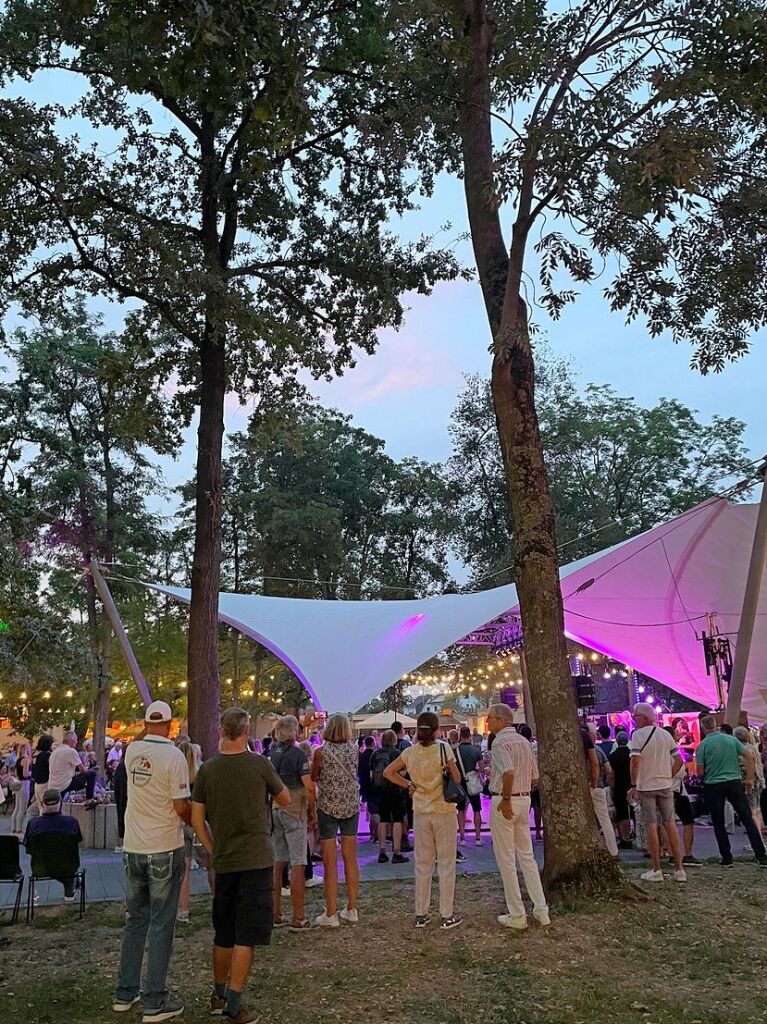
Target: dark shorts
<point>475,799</point>
<point>242,908</point>
<point>683,808</point>
<point>391,804</point>
<point>329,827</point>
<point>371,801</point>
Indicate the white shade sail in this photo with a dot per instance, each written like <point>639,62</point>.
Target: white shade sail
<point>644,602</point>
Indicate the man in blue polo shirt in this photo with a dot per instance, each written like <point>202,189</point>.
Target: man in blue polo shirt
<point>718,762</point>
<point>52,821</point>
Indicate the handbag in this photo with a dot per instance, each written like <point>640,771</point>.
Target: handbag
<point>472,778</point>
<point>452,793</point>
<point>15,784</point>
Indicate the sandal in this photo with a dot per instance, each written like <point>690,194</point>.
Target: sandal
<point>279,922</point>
<point>300,926</point>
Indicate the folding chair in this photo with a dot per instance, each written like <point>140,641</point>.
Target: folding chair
<point>10,870</point>
<point>54,856</point>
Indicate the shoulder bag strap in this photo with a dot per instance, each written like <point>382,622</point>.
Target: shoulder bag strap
<point>460,760</point>
<point>654,729</point>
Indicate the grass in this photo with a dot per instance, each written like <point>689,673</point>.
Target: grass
<point>687,955</point>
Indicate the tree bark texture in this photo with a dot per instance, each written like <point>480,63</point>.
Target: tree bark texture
<point>574,860</point>
<point>202,658</point>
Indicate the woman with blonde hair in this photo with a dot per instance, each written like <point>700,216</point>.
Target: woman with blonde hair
<point>754,795</point>
<point>20,785</point>
<point>434,819</point>
<point>193,754</point>
<point>334,772</point>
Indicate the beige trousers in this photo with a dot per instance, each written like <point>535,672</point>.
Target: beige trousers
<point>512,846</point>
<point>602,812</point>
<point>435,841</point>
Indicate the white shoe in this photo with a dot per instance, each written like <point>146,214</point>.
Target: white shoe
<point>352,916</point>
<point>323,921</point>
<point>285,890</point>
<point>478,841</point>
<point>652,876</point>
<point>517,923</point>
<point>311,883</point>
<point>680,876</point>
<point>542,917</point>
<point>183,917</point>
<point>122,1006</point>
<point>461,841</point>
<point>118,849</point>
<point>69,899</point>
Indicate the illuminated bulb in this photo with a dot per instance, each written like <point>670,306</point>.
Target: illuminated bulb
<point>23,695</point>
<point>579,657</point>
<point>182,684</point>
<point>68,693</point>
<point>595,657</point>
<point>115,689</point>
<point>46,695</point>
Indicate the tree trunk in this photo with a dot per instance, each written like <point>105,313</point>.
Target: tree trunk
<point>575,863</point>
<point>202,658</point>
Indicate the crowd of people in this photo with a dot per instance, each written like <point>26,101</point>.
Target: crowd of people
<point>259,814</point>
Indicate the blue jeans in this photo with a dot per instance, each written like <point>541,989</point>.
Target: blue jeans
<point>153,884</point>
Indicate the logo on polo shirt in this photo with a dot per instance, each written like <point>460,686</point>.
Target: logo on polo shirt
<point>141,771</point>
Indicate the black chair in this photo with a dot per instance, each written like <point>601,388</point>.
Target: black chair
<point>55,855</point>
<point>10,870</point>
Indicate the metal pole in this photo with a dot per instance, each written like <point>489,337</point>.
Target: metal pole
<point>119,630</point>
<point>632,688</point>
<point>529,713</point>
<point>748,614</point>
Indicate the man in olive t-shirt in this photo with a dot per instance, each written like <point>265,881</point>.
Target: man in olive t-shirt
<point>231,814</point>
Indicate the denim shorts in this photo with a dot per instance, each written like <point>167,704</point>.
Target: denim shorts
<point>288,837</point>
<point>329,827</point>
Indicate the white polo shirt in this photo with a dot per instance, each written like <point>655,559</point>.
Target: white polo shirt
<point>157,775</point>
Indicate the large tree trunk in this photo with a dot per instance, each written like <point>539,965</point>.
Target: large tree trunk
<point>202,659</point>
<point>574,860</point>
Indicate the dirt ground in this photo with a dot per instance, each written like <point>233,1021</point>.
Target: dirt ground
<point>694,954</point>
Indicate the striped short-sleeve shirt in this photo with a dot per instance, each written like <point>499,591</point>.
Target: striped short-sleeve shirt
<point>512,753</point>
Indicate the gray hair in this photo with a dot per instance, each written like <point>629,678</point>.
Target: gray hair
<point>645,710</point>
<point>70,736</point>
<point>286,729</point>
<point>502,711</point>
<point>234,723</point>
<point>708,723</point>
<point>740,732</point>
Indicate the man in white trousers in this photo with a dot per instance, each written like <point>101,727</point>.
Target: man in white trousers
<point>596,765</point>
<point>512,771</point>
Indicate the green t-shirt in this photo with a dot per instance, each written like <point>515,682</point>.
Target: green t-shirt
<point>719,755</point>
<point>235,789</point>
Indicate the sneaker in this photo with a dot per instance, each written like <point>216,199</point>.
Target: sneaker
<point>171,1007</point>
<point>689,861</point>
<point>69,899</point>
<point>324,921</point>
<point>478,841</point>
<point>352,916</point>
<point>518,923</point>
<point>280,922</point>
<point>405,846</point>
<point>285,890</point>
<point>118,849</point>
<point>397,858</point>
<point>652,876</point>
<point>123,1005</point>
<point>312,883</point>
<point>422,920</point>
<point>762,861</point>
<point>680,876</point>
<point>727,862</point>
<point>217,1005</point>
<point>542,917</point>
<point>461,840</point>
<point>460,858</point>
<point>183,916</point>
<point>446,923</point>
<point>383,858</point>
<point>243,1017</point>
<point>300,926</point>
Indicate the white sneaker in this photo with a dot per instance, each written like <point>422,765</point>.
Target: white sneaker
<point>352,916</point>
<point>542,917</point>
<point>183,916</point>
<point>285,890</point>
<point>311,883</point>
<point>478,841</point>
<point>517,923</point>
<point>652,876</point>
<point>69,899</point>
<point>680,876</point>
<point>323,921</point>
<point>122,1005</point>
<point>118,849</point>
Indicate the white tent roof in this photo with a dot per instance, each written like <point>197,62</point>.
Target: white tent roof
<point>643,602</point>
<point>384,719</point>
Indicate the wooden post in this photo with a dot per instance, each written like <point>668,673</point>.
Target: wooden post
<point>119,630</point>
<point>529,713</point>
<point>748,613</point>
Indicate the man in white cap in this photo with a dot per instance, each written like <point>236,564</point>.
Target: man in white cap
<point>153,852</point>
<point>655,761</point>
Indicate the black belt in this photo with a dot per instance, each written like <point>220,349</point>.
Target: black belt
<point>513,794</point>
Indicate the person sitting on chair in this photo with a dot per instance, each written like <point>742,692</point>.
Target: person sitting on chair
<point>53,821</point>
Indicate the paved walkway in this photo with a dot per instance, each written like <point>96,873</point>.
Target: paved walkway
<point>105,878</point>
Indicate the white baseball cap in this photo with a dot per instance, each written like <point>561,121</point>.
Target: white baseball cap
<point>158,711</point>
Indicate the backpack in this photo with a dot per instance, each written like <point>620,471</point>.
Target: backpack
<point>380,760</point>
